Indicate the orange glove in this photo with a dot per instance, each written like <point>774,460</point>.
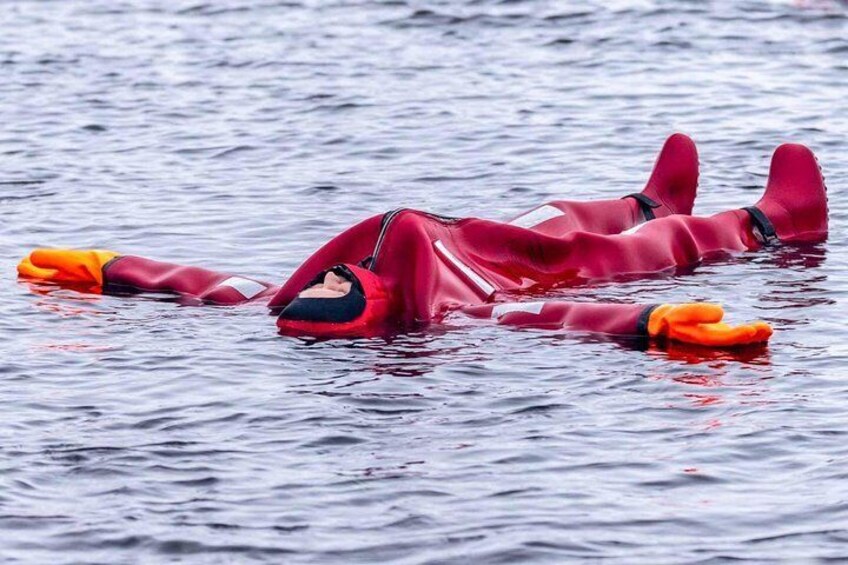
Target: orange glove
<point>701,324</point>
<point>83,266</point>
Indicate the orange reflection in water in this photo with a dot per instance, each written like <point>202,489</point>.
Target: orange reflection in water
<point>713,373</point>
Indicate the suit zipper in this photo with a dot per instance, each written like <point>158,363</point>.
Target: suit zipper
<point>387,220</point>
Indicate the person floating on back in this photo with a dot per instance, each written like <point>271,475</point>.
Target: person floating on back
<point>406,268</point>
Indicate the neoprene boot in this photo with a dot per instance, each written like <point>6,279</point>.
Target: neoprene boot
<point>794,206</point>
<point>671,189</point>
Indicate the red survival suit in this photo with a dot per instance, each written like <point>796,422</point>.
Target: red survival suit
<point>410,267</point>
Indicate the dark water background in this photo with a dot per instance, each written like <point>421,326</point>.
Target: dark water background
<point>240,135</point>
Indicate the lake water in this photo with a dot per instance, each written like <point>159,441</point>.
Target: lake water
<point>241,135</point>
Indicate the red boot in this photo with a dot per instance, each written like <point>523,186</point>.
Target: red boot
<point>794,206</point>
<point>674,181</point>
<point>670,190</point>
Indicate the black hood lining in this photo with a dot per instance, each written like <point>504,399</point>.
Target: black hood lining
<point>328,310</point>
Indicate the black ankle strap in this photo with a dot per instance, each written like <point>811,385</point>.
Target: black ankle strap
<point>646,204</point>
<point>763,225</point>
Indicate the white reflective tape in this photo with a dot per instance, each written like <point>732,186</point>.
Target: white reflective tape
<point>528,307</point>
<point>634,229</point>
<point>535,217</point>
<point>245,287</point>
<point>481,283</point>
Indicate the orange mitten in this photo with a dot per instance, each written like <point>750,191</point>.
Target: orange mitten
<point>66,265</point>
<point>701,324</point>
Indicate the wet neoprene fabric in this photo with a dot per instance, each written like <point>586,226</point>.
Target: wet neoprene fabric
<point>422,266</point>
<point>128,273</point>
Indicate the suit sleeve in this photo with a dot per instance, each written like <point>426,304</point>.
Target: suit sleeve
<point>616,319</point>
<point>132,274</point>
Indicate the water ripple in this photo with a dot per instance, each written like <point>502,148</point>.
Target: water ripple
<point>241,137</point>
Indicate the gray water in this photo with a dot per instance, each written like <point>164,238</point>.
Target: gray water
<point>241,135</point>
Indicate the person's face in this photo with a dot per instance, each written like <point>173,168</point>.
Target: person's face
<point>333,286</point>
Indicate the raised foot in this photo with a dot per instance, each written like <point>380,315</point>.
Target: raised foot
<point>795,200</point>
<point>673,183</point>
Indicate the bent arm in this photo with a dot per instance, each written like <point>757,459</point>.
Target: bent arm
<point>696,323</point>
<point>110,272</point>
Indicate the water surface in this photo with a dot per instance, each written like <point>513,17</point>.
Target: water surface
<point>239,136</point>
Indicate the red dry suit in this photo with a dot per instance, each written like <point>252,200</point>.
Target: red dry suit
<point>409,267</point>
